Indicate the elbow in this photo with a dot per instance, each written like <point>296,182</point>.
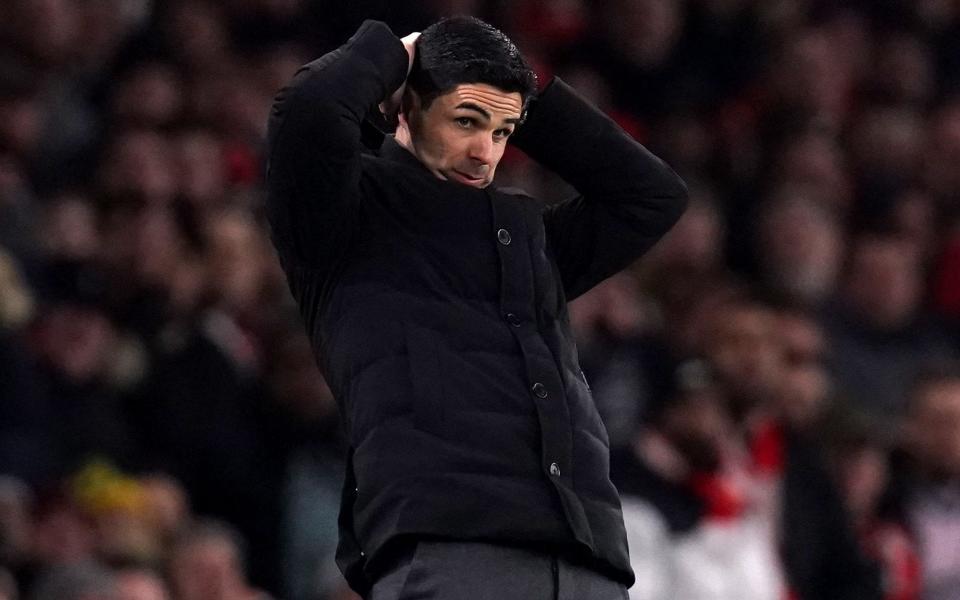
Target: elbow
<point>661,203</point>
<point>656,187</point>
<point>664,193</point>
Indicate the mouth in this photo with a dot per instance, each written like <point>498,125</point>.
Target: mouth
<point>468,179</point>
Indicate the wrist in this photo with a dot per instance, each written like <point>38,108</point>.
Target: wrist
<point>376,43</point>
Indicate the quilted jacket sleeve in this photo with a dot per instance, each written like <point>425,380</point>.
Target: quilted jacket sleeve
<point>627,197</point>
<point>314,142</point>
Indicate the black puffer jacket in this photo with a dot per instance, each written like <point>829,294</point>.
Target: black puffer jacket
<point>438,312</point>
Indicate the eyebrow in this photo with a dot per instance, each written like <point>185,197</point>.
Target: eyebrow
<point>486,115</point>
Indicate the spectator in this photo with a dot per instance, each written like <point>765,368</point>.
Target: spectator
<point>696,242</point>
<point>78,345</point>
<point>860,456</point>
<point>201,159</point>
<point>314,471</point>
<point>55,125</point>
<point>812,160</point>
<point>207,563</point>
<point>879,333</point>
<point>140,584</point>
<point>149,95</point>
<point>810,83</point>
<point>635,47</point>
<point>614,351</point>
<point>933,505</point>
<point>727,504</point>
<point>116,507</point>
<point>806,391</point>
<point>887,146</point>
<point>139,167</point>
<point>167,506</point>
<point>70,229</point>
<point>60,535</point>
<point>800,246</point>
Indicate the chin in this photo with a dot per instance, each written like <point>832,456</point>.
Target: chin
<point>477,182</point>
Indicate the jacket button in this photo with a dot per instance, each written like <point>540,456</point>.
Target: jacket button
<point>555,469</point>
<point>539,390</point>
<point>513,319</point>
<point>504,237</point>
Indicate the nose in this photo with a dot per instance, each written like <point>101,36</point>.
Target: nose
<point>481,149</point>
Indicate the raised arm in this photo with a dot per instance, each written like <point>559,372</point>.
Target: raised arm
<point>313,161</point>
<point>628,198</point>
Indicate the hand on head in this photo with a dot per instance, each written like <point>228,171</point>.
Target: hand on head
<point>392,104</point>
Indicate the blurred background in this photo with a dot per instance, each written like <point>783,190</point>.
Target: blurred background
<point>165,434</point>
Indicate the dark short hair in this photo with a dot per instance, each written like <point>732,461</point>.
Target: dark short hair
<point>463,49</point>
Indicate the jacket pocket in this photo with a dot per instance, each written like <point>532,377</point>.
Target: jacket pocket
<point>424,352</point>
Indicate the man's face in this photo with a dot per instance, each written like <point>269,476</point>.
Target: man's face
<point>461,136</point>
<point>742,347</point>
<point>885,282</point>
<point>935,423</point>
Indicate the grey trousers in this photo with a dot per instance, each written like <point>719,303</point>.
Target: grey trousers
<point>438,570</point>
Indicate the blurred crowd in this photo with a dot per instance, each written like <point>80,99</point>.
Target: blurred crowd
<point>778,376</point>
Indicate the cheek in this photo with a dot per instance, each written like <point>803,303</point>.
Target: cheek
<point>438,147</point>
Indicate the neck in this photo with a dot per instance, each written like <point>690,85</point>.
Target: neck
<point>405,140</point>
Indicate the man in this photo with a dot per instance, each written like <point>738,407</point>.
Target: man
<point>880,332</point>
<point>722,498</point>
<point>436,304</point>
<point>208,562</point>
<point>931,493</point>
<point>140,584</point>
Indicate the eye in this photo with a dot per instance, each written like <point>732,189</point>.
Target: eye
<point>502,133</point>
<point>464,122</point>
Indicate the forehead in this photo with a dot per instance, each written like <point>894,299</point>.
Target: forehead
<point>495,101</point>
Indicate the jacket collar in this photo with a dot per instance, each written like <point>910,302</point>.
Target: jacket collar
<point>375,134</point>
<point>392,150</point>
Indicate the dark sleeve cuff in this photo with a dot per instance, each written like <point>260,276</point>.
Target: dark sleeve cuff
<point>375,42</point>
<point>560,118</point>
<point>540,113</point>
<point>573,138</point>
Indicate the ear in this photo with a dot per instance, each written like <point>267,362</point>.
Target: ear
<point>407,117</point>
<point>409,106</point>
